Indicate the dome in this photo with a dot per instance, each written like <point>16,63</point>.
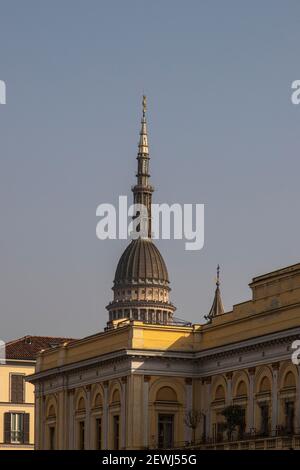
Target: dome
<point>141,261</point>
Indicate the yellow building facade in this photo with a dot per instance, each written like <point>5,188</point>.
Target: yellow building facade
<point>133,385</point>
<point>16,415</point>
<point>18,360</point>
<point>151,380</point>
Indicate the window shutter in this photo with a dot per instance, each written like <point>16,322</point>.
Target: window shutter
<point>20,389</point>
<point>17,388</point>
<point>7,428</point>
<point>13,388</point>
<point>26,428</point>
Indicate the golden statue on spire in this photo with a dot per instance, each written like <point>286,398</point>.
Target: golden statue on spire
<point>144,104</point>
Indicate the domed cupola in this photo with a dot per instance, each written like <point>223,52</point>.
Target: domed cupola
<point>141,262</point>
<point>141,285</point>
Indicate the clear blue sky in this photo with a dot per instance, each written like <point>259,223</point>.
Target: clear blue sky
<point>223,132</point>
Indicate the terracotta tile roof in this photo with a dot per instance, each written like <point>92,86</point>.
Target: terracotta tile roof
<point>28,346</point>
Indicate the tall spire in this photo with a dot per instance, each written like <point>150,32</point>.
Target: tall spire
<point>143,142</point>
<point>218,276</point>
<point>141,265</point>
<point>217,306</point>
<point>142,191</point>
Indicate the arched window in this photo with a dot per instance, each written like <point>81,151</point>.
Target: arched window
<point>241,389</point>
<point>166,394</point>
<point>265,385</point>
<point>220,393</point>
<point>166,418</point>
<point>116,397</point>
<point>51,412</point>
<point>80,423</point>
<point>289,380</point>
<point>81,404</point>
<point>115,419</point>
<point>98,401</point>
<point>51,427</point>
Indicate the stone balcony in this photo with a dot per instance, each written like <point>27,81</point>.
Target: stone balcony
<point>278,442</point>
<point>262,443</point>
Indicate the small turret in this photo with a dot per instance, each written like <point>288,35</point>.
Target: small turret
<point>217,307</point>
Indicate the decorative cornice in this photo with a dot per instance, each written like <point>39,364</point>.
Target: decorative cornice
<point>191,357</point>
<point>249,344</point>
<point>139,303</point>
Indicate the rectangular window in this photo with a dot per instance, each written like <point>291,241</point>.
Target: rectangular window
<point>51,437</point>
<point>116,431</point>
<point>17,388</point>
<point>219,430</point>
<point>81,426</point>
<point>242,426</point>
<point>165,431</point>
<point>16,428</point>
<point>289,417</point>
<point>98,434</point>
<point>264,412</point>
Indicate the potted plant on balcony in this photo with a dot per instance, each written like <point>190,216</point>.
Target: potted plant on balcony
<point>235,418</point>
<point>192,419</point>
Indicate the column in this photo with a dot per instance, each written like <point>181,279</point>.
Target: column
<point>203,409</point>
<point>43,423</point>
<point>87,434</point>
<point>105,416</point>
<point>37,416</point>
<point>65,409</point>
<point>146,411</point>
<point>60,419</point>
<point>275,368</point>
<point>188,431</point>
<point>123,413</point>
<point>229,388</point>
<point>207,403</point>
<point>251,399</point>
<point>71,419</point>
<point>297,420</point>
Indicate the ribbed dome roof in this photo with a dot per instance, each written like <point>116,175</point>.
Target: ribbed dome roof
<point>140,261</point>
